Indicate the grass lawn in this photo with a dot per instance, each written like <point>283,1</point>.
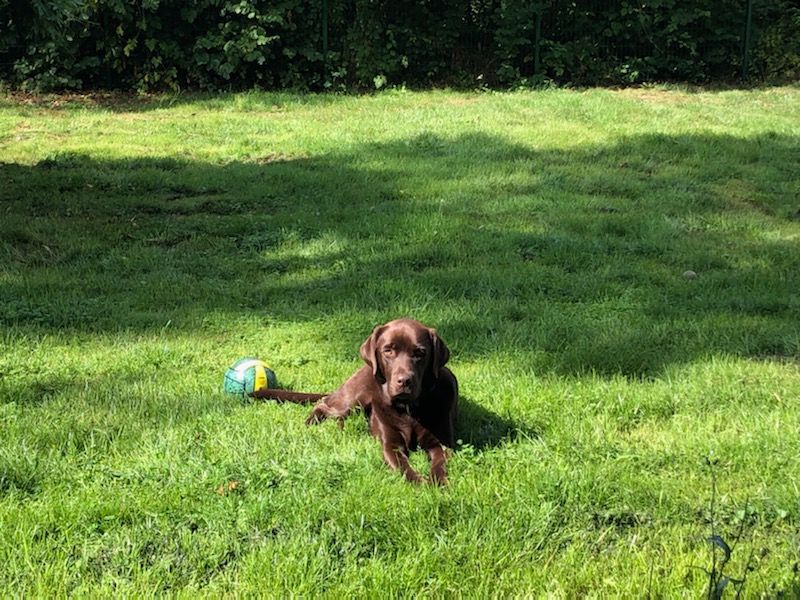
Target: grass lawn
<point>145,245</point>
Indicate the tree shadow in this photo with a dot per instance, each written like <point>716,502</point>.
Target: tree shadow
<point>127,102</point>
<point>571,260</point>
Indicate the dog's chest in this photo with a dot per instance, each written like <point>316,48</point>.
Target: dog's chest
<point>402,424</point>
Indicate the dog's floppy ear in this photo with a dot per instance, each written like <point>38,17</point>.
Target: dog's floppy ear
<point>369,352</point>
<point>441,353</point>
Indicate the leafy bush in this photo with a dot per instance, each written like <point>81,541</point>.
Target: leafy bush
<point>36,42</point>
<point>234,44</point>
<point>589,42</point>
<point>776,53</point>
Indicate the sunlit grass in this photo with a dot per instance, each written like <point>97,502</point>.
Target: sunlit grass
<point>147,244</point>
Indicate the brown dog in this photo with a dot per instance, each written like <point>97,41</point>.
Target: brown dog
<point>408,395</point>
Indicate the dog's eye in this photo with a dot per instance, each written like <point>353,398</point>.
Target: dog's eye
<point>419,353</point>
<point>388,350</point>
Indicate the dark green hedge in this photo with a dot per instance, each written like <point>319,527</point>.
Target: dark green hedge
<point>235,44</point>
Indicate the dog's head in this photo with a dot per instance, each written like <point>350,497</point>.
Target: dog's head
<point>405,356</point>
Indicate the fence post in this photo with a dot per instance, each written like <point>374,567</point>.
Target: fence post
<point>536,40</point>
<point>324,42</point>
<point>748,34</point>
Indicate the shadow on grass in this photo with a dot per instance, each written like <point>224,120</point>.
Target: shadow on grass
<point>572,260</point>
<point>260,101</point>
<point>123,102</point>
<point>481,428</point>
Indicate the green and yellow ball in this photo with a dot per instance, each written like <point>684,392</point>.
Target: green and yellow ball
<point>248,375</point>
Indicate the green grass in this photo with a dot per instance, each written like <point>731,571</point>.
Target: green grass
<point>147,244</point>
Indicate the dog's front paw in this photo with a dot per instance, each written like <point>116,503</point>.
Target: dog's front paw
<point>316,417</point>
<point>439,477</point>
<point>413,477</point>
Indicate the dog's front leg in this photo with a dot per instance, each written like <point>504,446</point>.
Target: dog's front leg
<point>397,458</point>
<point>438,456</point>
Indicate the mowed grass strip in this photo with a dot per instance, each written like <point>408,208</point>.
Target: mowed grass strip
<point>146,244</point>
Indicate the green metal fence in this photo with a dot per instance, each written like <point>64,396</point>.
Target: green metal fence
<point>717,46</point>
